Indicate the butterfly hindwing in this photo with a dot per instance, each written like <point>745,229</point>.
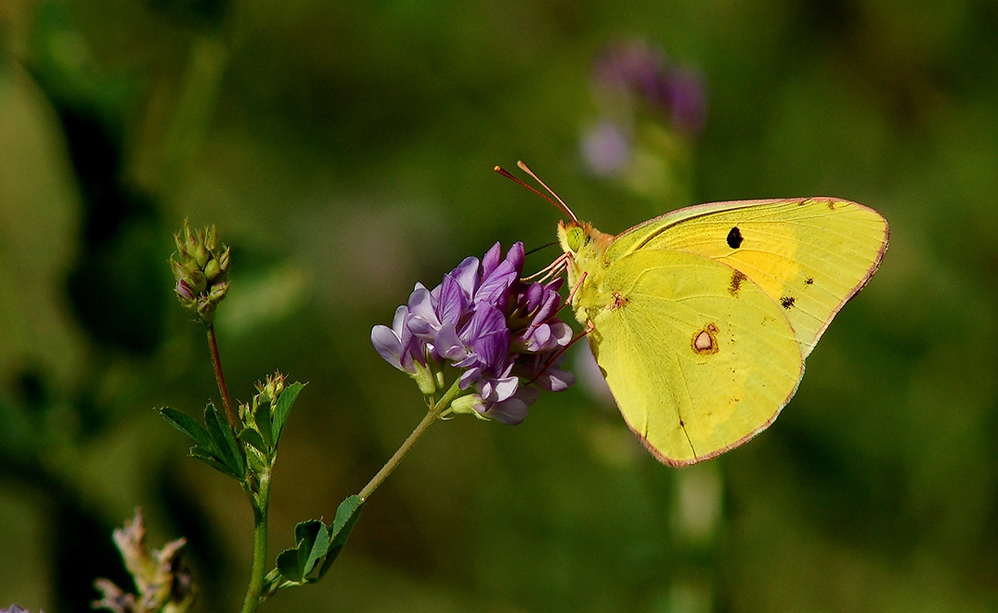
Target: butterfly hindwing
<point>696,362</point>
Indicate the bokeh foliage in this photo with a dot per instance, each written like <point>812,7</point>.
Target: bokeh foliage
<point>345,150</point>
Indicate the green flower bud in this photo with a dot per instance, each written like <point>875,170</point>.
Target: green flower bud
<point>223,261</point>
<point>197,281</point>
<point>218,291</point>
<point>179,271</point>
<point>212,270</point>
<point>192,239</point>
<point>200,254</point>
<point>206,310</point>
<point>424,379</point>
<point>191,265</point>
<point>210,238</point>
<point>465,405</point>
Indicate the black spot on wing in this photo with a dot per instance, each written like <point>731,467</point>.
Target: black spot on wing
<point>735,238</point>
<point>788,302</point>
<point>809,281</point>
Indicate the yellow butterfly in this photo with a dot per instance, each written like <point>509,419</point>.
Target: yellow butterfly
<point>701,319</point>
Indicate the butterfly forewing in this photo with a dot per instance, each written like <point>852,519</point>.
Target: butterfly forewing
<point>809,255</point>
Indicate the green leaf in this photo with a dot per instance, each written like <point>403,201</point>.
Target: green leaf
<point>211,460</point>
<point>263,422</point>
<point>312,542</point>
<point>312,538</point>
<point>284,402</point>
<point>186,424</point>
<point>209,447</point>
<point>346,516</point>
<point>229,451</point>
<point>287,564</point>
<point>252,437</point>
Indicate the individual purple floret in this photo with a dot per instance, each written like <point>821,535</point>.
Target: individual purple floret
<point>501,333</point>
<point>397,345</point>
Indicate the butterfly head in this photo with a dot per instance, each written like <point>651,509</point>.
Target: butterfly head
<point>574,236</point>
<point>583,246</point>
<point>580,240</point>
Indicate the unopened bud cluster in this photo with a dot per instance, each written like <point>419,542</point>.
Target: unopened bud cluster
<point>271,387</point>
<point>267,393</point>
<point>201,267</point>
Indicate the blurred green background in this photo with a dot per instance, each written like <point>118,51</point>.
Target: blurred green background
<point>345,151</point>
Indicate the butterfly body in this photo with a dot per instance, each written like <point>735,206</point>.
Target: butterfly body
<point>701,319</point>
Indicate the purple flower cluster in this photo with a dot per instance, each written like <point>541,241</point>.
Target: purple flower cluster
<point>503,334</point>
<point>642,71</point>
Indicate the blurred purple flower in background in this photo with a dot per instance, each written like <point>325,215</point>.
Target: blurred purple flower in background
<point>643,74</point>
<point>606,148</point>
<point>633,82</point>
<point>501,333</point>
<point>687,101</point>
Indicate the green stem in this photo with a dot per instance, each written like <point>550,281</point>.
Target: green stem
<point>431,416</point>
<point>216,363</point>
<point>261,503</point>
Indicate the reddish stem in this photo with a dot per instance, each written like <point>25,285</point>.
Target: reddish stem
<point>216,363</point>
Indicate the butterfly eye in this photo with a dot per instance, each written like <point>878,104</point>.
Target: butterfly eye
<point>577,239</point>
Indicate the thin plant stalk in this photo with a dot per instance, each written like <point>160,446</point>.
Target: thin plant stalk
<point>216,363</point>
<point>261,505</point>
<point>431,416</point>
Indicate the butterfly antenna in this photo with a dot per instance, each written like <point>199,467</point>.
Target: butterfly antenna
<point>516,180</point>
<point>564,207</point>
<point>557,203</point>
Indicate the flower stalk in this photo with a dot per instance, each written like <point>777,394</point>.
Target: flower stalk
<point>435,412</point>
<point>223,389</point>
